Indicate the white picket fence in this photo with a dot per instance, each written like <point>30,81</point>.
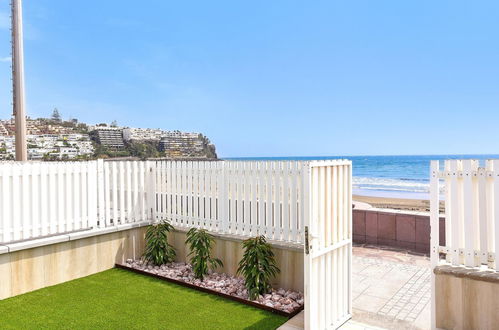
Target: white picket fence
<point>129,190</point>
<point>235,197</point>
<point>39,199</point>
<point>471,213</point>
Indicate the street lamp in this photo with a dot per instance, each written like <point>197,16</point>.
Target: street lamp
<point>18,80</point>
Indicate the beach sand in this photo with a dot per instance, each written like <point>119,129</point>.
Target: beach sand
<point>420,205</point>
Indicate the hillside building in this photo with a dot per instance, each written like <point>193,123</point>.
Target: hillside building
<point>111,137</point>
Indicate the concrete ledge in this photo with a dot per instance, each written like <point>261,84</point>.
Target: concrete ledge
<point>466,298</point>
<point>471,273</point>
<point>37,242</point>
<point>4,249</point>
<point>44,241</point>
<point>107,230</point>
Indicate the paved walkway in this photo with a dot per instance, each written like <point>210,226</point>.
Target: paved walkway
<point>391,290</point>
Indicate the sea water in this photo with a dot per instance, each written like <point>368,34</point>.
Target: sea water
<point>388,176</point>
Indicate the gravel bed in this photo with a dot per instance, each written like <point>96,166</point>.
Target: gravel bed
<point>284,300</point>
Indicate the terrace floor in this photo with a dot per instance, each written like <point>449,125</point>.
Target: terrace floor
<point>391,290</point>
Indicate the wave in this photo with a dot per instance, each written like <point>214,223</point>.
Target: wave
<point>390,184</point>
<point>417,180</point>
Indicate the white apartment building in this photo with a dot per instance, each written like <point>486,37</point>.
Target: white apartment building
<point>111,137</point>
<point>7,147</point>
<point>61,146</point>
<point>142,134</point>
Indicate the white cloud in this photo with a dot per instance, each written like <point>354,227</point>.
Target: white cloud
<point>6,59</point>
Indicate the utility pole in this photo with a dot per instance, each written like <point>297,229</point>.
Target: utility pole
<point>18,80</point>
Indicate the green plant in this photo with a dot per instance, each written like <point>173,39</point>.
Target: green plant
<point>200,243</point>
<point>158,251</point>
<point>258,266</point>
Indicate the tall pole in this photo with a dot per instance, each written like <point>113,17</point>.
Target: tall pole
<point>18,80</point>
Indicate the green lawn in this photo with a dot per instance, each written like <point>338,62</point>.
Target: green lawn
<point>118,299</point>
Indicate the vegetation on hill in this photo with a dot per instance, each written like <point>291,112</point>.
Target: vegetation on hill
<point>72,124</point>
<point>142,150</point>
<point>209,148</point>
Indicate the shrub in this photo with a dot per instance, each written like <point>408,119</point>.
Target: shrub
<point>201,242</point>
<point>258,266</point>
<point>158,251</point>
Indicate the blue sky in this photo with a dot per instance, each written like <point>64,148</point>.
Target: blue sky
<point>270,78</point>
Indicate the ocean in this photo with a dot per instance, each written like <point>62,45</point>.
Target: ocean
<point>388,176</point>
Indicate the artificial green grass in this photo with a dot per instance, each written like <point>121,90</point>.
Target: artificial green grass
<point>118,299</point>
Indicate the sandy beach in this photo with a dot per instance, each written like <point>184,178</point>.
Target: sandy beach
<point>396,203</point>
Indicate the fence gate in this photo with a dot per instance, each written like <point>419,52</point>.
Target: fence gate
<point>328,245</point>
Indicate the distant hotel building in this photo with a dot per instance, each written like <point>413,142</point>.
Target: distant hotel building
<point>178,144</point>
<point>173,144</point>
<point>111,137</point>
<point>142,134</point>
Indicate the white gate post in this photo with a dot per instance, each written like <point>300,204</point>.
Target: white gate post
<point>307,177</point>
<point>435,234</point>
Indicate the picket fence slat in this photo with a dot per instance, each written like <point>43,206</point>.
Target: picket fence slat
<point>6,203</point>
<point>482,213</point>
